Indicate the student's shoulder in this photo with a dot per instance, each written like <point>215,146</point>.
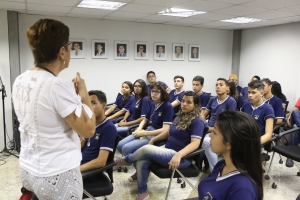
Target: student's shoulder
<point>230,99</point>
<point>197,120</point>
<point>167,105</point>
<point>107,125</point>
<point>276,100</point>
<point>146,99</point>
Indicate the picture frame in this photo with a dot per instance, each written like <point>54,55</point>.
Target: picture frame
<point>99,49</point>
<point>141,51</point>
<point>160,51</point>
<point>194,53</point>
<point>178,51</point>
<point>121,50</point>
<point>78,48</point>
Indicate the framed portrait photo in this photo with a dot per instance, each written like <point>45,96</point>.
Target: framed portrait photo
<point>141,50</point>
<point>178,51</point>
<point>160,51</point>
<point>78,48</point>
<point>121,50</point>
<point>99,49</point>
<point>194,52</point>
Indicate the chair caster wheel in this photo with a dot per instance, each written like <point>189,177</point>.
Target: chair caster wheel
<point>263,171</point>
<point>105,198</point>
<point>178,180</point>
<point>280,161</point>
<point>183,185</point>
<point>119,169</point>
<point>274,186</point>
<point>298,173</point>
<point>125,169</point>
<point>267,177</point>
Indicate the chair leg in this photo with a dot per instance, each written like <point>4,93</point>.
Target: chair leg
<point>88,194</point>
<point>183,177</point>
<point>268,176</point>
<point>167,195</point>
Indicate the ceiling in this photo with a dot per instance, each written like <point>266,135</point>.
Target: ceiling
<point>273,12</point>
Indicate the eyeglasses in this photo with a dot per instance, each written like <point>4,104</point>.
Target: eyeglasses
<point>137,86</point>
<point>155,91</point>
<point>151,76</point>
<point>69,43</point>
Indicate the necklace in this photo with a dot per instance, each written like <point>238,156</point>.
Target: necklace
<point>48,70</point>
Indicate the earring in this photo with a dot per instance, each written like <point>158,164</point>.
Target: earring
<point>64,62</point>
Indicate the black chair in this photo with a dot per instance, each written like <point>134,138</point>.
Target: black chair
<point>103,186</point>
<point>292,152</point>
<point>286,106</point>
<point>190,171</point>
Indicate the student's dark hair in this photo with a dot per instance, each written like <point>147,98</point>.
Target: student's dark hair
<point>223,79</point>
<point>242,132</point>
<point>144,88</point>
<point>257,77</point>
<point>232,90</point>
<point>199,78</point>
<point>150,72</point>
<point>45,38</point>
<point>267,81</point>
<point>178,76</point>
<point>131,90</point>
<point>101,96</point>
<point>183,120</point>
<point>164,96</point>
<point>256,84</point>
<point>276,89</point>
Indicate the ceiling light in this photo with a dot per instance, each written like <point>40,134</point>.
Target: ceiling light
<point>177,12</point>
<point>106,5</point>
<point>242,20</point>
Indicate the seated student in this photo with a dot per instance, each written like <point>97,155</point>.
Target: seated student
<point>273,101</point>
<point>177,94</point>
<point>183,136</point>
<point>235,94</point>
<point>244,92</point>
<point>261,112</point>
<point>96,149</point>
<point>294,120</point>
<point>239,175</point>
<point>276,91</point>
<point>234,78</point>
<point>138,109</point>
<point>151,77</point>
<point>216,105</point>
<point>198,84</point>
<point>123,102</point>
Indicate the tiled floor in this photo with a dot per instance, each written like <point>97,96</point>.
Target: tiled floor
<point>288,184</point>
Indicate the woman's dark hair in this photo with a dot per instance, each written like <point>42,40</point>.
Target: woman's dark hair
<point>164,96</point>
<point>257,77</point>
<point>125,99</point>
<point>45,38</point>
<point>267,81</point>
<point>100,95</point>
<point>276,91</point>
<point>183,120</point>
<point>242,132</point>
<point>144,88</point>
<point>232,90</point>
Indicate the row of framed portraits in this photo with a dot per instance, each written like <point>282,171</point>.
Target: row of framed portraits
<point>121,51</point>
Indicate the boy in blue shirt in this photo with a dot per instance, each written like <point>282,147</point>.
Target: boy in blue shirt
<point>151,77</point>
<point>198,84</point>
<point>244,91</point>
<point>177,94</point>
<point>273,101</point>
<point>98,147</point>
<point>259,110</point>
<point>216,105</point>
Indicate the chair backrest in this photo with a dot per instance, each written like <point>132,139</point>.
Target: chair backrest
<point>203,136</point>
<point>111,158</point>
<point>286,106</point>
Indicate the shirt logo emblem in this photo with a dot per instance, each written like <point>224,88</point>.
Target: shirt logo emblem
<point>159,114</point>
<point>137,106</point>
<point>256,117</point>
<point>97,136</point>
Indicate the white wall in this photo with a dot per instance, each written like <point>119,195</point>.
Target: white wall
<point>5,76</point>
<point>273,52</point>
<point>108,74</point>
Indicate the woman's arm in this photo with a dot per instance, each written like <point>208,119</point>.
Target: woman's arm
<point>162,136</point>
<point>151,133</point>
<point>131,123</point>
<point>117,114</point>
<point>110,109</point>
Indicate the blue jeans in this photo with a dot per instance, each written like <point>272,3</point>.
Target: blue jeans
<point>121,130</point>
<point>295,121</point>
<point>145,156</point>
<point>211,156</point>
<point>130,144</point>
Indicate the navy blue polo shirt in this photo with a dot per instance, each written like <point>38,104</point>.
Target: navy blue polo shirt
<point>276,104</point>
<point>179,139</point>
<point>119,102</point>
<point>239,88</point>
<point>215,107</point>
<point>149,88</point>
<point>244,94</point>
<point>139,109</point>
<point>176,97</point>
<point>103,139</point>
<point>162,114</point>
<point>204,99</point>
<point>231,186</point>
<point>261,113</point>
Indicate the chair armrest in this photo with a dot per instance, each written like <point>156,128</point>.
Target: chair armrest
<point>277,126</point>
<point>194,153</point>
<point>119,119</point>
<point>130,128</point>
<point>96,171</point>
<point>160,142</point>
<point>288,132</point>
